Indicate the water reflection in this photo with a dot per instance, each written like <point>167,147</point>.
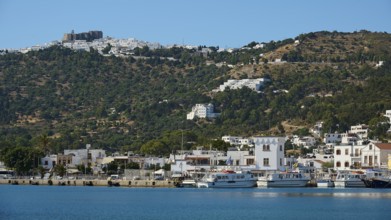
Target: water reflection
<point>371,195</point>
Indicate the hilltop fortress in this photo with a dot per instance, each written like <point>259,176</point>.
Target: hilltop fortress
<point>87,36</point>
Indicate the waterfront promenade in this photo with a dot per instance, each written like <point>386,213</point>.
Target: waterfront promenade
<point>91,182</point>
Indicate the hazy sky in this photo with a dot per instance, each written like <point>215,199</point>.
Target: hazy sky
<point>224,23</point>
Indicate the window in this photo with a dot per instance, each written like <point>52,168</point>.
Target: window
<point>266,147</point>
<point>338,164</point>
<point>346,164</point>
<point>370,147</point>
<point>338,152</point>
<point>280,161</point>
<point>280,147</point>
<point>250,161</point>
<point>46,162</point>
<point>365,159</point>
<point>266,161</point>
<point>346,151</point>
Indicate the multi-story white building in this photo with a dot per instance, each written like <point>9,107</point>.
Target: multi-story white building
<point>84,156</point>
<point>375,155</point>
<point>332,138</point>
<point>49,161</point>
<point>305,142</point>
<point>269,153</point>
<point>202,111</point>
<point>360,130</point>
<point>349,138</point>
<point>237,140</point>
<point>364,155</point>
<point>254,84</point>
<point>347,157</point>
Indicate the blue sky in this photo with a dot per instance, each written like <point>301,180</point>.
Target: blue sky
<point>224,23</point>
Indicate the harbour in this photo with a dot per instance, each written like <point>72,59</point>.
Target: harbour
<point>76,202</point>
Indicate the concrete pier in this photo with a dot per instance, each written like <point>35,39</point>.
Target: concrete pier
<point>94,182</point>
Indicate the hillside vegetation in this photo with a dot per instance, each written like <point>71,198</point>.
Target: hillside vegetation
<point>134,103</point>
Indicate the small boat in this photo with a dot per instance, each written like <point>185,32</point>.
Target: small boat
<point>227,179</point>
<point>188,183</point>
<point>325,183</point>
<point>377,179</point>
<point>284,179</point>
<point>350,179</point>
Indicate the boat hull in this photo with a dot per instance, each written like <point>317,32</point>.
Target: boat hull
<point>377,183</point>
<point>227,184</point>
<point>358,183</point>
<point>325,184</point>
<point>282,183</point>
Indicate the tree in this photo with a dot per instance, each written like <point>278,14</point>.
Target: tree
<point>107,49</point>
<point>60,170</point>
<point>21,159</point>
<point>155,147</point>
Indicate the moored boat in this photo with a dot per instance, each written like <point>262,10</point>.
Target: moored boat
<point>188,183</point>
<point>377,179</point>
<point>325,183</point>
<point>350,179</point>
<point>285,179</point>
<point>227,179</point>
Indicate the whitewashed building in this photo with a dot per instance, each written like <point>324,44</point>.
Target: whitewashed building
<point>305,142</point>
<point>254,84</point>
<point>49,161</point>
<point>375,155</point>
<point>269,153</point>
<point>84,156</point>
<point>360,130</point>
<point>332,138</point>
<point>347,157</point>
<point>238,140</point>
<point>202,111</point>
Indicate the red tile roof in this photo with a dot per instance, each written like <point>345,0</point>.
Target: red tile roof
<point>384,146</point>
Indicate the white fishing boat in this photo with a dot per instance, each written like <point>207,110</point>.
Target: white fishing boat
<point>324,183</point>
<point>286,179</point>
<point>227,179</point>
<point>350,179</point>
<point>189,183</point>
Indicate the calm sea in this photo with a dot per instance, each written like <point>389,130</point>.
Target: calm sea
<point>68,202</point>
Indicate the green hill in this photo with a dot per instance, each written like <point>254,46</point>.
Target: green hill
<point>117,103</point>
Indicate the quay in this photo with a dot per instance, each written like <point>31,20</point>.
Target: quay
<point>92,182</point>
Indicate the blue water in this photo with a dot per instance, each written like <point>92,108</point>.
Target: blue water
<point>68,202</point>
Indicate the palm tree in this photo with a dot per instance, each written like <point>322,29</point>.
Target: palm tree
<point>44,142</point>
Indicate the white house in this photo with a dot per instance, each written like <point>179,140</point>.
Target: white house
<point>306,141</point>
<point>375,155</point>
<point>241,158</point>
<point>237,140</point>
<point>83,156</point>
<point>202,111</point>
<point>349,138</point>
<point>254,84</point>
<point>49,161</point>
<point>269,153</point>
<point>347,156</point>
<point>360,130</point>
<point>332,138</point>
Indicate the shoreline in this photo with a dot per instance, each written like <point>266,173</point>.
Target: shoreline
<point>93,182</point>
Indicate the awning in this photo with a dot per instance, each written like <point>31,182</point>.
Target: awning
<point>73,171</point>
